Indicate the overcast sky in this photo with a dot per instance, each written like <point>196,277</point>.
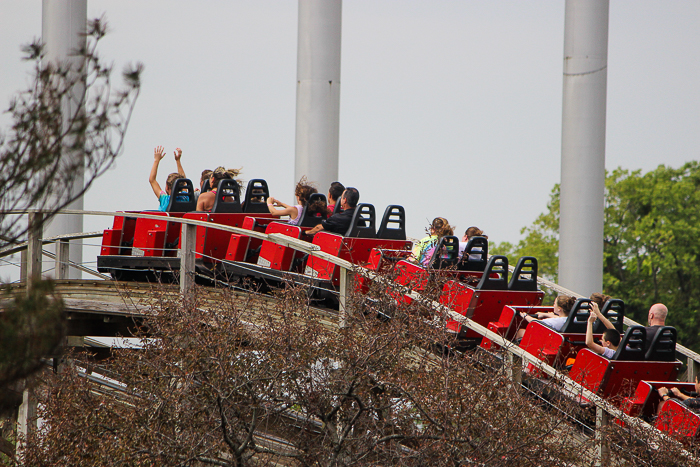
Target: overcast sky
<point>450,108</point>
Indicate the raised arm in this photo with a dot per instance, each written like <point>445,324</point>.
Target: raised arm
<point>178,155</point>
<point>158,155</point>
<point>599,349</point>
<point>599,315</point>
<point>286,210</point>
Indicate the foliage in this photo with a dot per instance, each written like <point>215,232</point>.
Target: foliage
<point>541,241</point>
<point>652,243</point>
<point>246,380</point>
<point>30,328</point>
<point>44,152</point>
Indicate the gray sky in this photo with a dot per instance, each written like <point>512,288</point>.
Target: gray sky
<point>450,108</point>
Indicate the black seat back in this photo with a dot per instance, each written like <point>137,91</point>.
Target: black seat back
<point>475,256</point>
<point>205,187</point>
<point>228,197</point>
<point>256,195</point>
<point>632,344</point>
<point>614,310</point>
<point>524,276</point>
<point>577,321</point>
<point>336,208</point>
<point>446,253</point>
<point>312,219</point>
<point>497,265</point>
<point>363,224</point>
<point>393,225</point>
<point>663,346</point>
<point>182,196</point>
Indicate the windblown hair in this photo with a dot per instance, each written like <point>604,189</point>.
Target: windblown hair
<point>475,232</point>
<point>599,298</point>
<point>304,190</point>
<point>171,180</point>
<point>566,303</point>
<point>441,227</point>
<point>219,174</point>
<point>206,175</point>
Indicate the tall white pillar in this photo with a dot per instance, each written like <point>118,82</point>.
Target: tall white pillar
<point>318,92</point>
<point>63,25</point>
<point>583,145</point>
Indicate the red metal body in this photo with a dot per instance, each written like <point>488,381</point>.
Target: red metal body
<point>355,250</point>
<point>276,256</point>
<point>678,421</point>
<point>381,260</point>
<point>616,379</point>
<point>645,400</point>
<point>119,239</point>
<point>483,306</point>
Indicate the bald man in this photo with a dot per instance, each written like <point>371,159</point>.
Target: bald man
<point>657,318</point>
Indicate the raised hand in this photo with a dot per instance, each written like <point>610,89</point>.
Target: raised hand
<point>178,154</point>
<point>158,153</point>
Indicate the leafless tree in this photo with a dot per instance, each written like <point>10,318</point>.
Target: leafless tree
<point>33,173</point>
<point>236,379</point>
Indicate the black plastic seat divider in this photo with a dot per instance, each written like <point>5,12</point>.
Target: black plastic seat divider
<point>577,321</point>
<point>446,253</point>
<point>227,197</point>
<point>312,219</point>
<point>631,346</point>
<point>663,346</point>
<point>614,310</point>
<point>524,276</point>
<point>393,225</point>
<point>363,223</point>
<point>182,196</point>
<point>497,265</point>
<point>475,255</point>
<point>256,195</point>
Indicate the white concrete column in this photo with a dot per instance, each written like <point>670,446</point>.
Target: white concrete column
<point>318,92</point>
<point>63,24</point>
<point>583,145</point>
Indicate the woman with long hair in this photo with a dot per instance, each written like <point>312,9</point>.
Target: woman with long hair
<point>556,319</point>
<point>302,192</point>
<point>424,249</point>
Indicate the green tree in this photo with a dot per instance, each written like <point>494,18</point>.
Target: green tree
<point>541,241</point>
<point>652,243</point>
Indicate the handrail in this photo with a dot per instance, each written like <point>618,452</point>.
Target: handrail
<point>23,245</point>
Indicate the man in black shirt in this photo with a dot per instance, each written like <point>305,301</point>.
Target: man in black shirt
<point>340,223</point>
<point>657,319</point>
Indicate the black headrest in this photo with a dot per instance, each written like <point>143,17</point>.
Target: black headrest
<point>446,253</point>
<point>205,187</point>
<point>524,276</point>
<point>312,219</point>
<point>227,197</point>
<point>336,208</point>
<point>396,216</point>
<point>632,344</point>
<point>475,255</point>
<point>256,195</point>
<point>663,346</point>
<point>614,310</point>
<point>182,196</point>
<point>577,321</point>
<point>363,222</point>
<point>497,265</point>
